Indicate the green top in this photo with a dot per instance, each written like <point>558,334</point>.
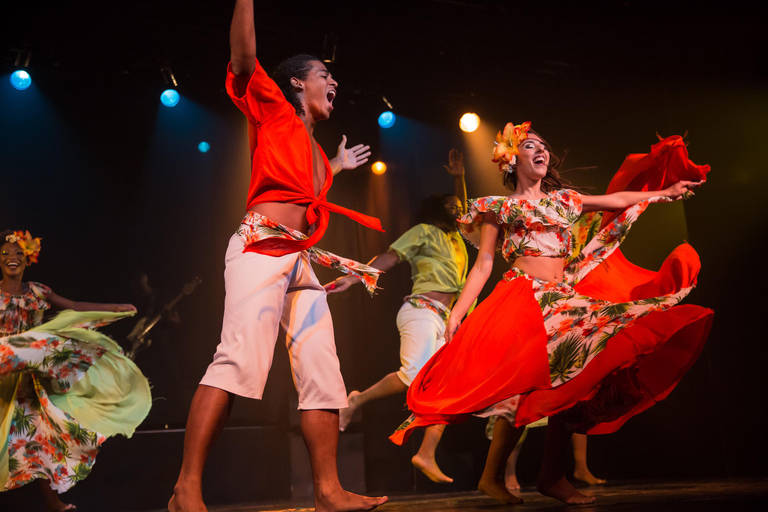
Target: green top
<point>438,259</point>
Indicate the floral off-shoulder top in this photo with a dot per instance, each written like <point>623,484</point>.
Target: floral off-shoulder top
<point>19,313</point>
<point>531,227</point>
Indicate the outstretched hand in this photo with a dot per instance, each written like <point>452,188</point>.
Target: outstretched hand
<point>455,165</point>
<point>124,308</point>
<point>351,158</point>
<point>681,190</point>
<point>339,285</point>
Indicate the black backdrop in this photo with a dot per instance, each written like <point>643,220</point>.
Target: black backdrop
<point>112,181</point>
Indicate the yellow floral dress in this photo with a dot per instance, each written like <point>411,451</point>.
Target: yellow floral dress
<point>64,388</point>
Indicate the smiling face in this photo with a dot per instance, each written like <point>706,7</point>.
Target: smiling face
<point>453,207</point>
<point>533,160</point>
<point>317,91</point>
<point>12,260</point>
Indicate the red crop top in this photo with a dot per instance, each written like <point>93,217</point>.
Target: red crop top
<point>281,155</point>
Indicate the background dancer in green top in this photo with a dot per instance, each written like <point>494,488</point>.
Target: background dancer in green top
<point>438,259</point>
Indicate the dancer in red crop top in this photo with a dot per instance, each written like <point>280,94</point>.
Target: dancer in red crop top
<point>573,332</point>
<point>269,281</point>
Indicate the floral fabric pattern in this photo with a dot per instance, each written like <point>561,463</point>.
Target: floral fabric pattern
<point>41,440</point>
<point>531,228</point>
<point>578,327</point>
<point>423,302</point>
<point>20,313</point>
<point>45,442</point>
<point>255,227</point>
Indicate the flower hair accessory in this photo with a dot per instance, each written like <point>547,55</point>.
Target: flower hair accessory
<point>30,246</point>
<point>506,150</point>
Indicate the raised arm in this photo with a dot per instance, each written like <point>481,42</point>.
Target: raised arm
<point>478,276</point>
<point>455,168</point>
<point>383,261</point>
<point>60,302</point>
<point>242,39</point>
<point>621,200</point>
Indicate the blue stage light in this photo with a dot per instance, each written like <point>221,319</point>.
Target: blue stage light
<point>203,147</point>
<point>20,80</point>
<point>386,119</point>
<point>169,97</point>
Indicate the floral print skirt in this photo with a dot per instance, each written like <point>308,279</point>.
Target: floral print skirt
<point>64,388</point>
<point>536,348</point>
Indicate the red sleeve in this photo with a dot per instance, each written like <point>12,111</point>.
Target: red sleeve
<point>257,97</point>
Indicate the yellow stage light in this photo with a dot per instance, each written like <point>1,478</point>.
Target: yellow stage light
<point>379,168</point>
<point>469,122</point>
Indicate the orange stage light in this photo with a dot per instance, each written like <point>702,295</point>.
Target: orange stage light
<point>379,168</point>
<point>469,122</point>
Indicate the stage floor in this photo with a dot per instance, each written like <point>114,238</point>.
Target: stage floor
<point>705,496</point>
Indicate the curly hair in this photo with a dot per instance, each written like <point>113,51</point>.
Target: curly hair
<point>432,211</point>
<point>550,182</point>
<point>297,66</point>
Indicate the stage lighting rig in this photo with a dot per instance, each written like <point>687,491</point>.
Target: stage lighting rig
<point>21,79</point>
<point>329,48</point>
<point>169,97</point>
<point>168,77</point>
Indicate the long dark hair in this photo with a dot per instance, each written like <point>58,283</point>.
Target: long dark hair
<point>432,211</point>
<point>550,182</point>
<point>299,67</point>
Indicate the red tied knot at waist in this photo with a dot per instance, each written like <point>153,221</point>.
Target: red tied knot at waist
<point>317,215</point>
<point>312,214</point>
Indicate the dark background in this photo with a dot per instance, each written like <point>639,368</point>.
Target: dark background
<point>112,181</point>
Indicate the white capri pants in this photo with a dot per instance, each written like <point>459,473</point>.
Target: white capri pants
<point>262,294</point>
<point>422,333</point>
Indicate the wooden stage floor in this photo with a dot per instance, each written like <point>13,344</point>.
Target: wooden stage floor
<point>705,496</point>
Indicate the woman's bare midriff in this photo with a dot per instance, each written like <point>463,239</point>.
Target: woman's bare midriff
<point>293,216</point>
<point>541,267</point>
<point>445,298</point>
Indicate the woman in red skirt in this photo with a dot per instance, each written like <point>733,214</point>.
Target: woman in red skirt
<point>574,331</point>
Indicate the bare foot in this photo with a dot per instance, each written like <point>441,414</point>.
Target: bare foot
<point>563,490</point>
<point>586,476</point>
<point>495,488</point>
<point>343,501</point>
<point>186,502</point>
<point>51,498</point>
<point>511,483</point>
<point>345,415</point>
<point>60,507</point>
<point>429,467</point>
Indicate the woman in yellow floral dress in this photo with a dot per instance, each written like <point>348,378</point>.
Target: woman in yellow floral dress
<point>64,387</point>
<point>573,332</point>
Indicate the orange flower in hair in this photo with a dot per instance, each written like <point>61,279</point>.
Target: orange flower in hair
<point>507,144</point>
<point>30,246</point>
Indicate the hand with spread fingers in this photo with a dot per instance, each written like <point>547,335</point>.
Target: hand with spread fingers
<point>350,158</point>
<point>455,165</point>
